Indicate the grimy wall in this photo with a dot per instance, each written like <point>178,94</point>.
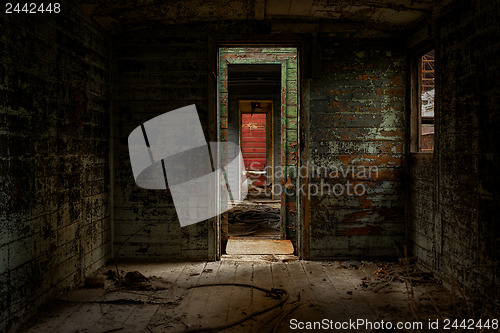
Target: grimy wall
<point>455,229</point>
<point>155,72</point>
<point>54,171</point>
<point>356,117</point>
<point>357,122</point>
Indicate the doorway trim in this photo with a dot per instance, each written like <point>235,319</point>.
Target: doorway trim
<point>287,57</point>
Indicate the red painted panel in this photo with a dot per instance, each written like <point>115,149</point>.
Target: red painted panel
<point>253,145</point>
<point>253,137</point>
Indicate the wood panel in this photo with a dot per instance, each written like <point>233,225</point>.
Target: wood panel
<point>256,140</point>
<point>337,291</point>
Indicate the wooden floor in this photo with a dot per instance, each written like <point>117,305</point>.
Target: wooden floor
<point>338,291</point>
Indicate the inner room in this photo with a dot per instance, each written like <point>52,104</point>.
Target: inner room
<point>255,89</point>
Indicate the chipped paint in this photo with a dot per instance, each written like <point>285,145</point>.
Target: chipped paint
<point>287,58</point>
<point>454,221</point>
<point>357,120</point>
<point>54,159</point>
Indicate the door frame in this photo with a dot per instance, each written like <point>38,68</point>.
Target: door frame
<point>300,228</point>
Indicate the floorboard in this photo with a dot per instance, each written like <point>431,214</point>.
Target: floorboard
<point>337,291</point>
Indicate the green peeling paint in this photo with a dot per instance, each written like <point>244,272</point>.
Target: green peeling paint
<point>287,58</point>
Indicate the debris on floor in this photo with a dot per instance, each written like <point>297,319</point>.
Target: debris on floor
<point>135,280</point>
<point>119,279</point>
<point>95,281</point>
<point>245,296</point>
<point>255,218</point>
<point>388,272</point>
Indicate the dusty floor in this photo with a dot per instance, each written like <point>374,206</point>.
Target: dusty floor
<point>312,291</point>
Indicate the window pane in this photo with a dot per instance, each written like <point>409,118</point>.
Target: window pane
<point>427,101</point>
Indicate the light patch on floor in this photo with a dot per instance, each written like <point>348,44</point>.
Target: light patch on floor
<point>258,246</point>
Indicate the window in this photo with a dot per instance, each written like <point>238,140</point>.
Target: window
<point>426,105</point>
<point>423,104</point>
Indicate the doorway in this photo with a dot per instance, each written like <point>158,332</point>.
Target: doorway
<point>257,95</point>
<point>257,146</point>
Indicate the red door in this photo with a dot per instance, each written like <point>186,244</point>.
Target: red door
<point>254,145</point>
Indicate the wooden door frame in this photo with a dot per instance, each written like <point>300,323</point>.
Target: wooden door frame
<point>305,70</point>
<point>289,61</point>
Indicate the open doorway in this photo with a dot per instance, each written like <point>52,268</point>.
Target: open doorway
<point>258,111</point>
<point>256,142</point>
<point>258,216</point>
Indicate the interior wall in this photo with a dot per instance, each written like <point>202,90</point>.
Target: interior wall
<point>357,120</point>
<point>455,228</point>
<point>357,114</point>
<point>54,171</point>
<point>155,72</point>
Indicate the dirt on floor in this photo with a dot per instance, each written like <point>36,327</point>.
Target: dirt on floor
<point>254,296</point>
<point>255,218</point>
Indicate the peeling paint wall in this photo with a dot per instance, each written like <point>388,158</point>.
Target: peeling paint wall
<point>357,121</point>
<point>455,229</point>
<point>357,118</point>
<point>156,71</point>
<point>54,172</point>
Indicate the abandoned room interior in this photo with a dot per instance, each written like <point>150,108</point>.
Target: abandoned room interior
<point>364,186</point>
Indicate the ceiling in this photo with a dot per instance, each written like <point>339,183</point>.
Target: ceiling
<point>254,79</point>
<point>123,15</point>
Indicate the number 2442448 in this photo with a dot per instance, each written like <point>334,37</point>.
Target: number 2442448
<point>32,8</point>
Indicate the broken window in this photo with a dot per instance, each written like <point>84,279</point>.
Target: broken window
<point>426,102</point>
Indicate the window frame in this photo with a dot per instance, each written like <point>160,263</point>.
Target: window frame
<point>416,100</point>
